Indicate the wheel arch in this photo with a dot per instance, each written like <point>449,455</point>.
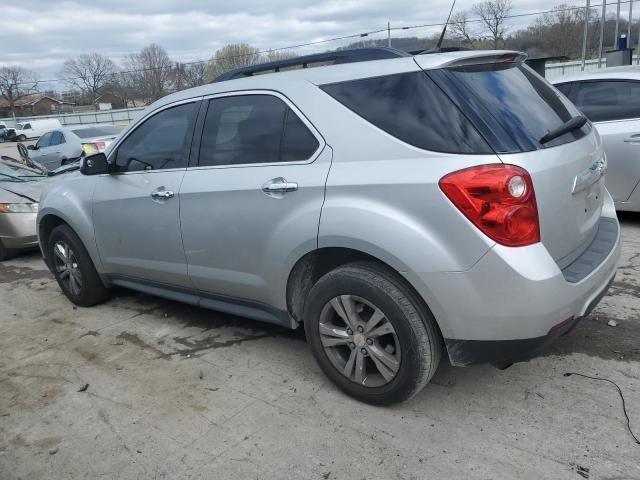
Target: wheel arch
<point>316,263</point>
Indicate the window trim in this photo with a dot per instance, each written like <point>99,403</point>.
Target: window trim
<point>575,85</point>
<point>241,93</point>
<point>134,126</point>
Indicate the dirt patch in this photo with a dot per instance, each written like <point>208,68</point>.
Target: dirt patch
<point>12,273</point>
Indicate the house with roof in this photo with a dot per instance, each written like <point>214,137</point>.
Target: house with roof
<point>31,105</point>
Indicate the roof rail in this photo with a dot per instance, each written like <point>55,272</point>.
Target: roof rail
<point>351,55</point>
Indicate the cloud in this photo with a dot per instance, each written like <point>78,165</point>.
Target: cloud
<point>40,34</point>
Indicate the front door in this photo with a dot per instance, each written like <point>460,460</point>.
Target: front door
<point>253,203</point>
<point>136,210</point>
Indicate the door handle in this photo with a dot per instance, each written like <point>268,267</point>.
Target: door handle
<point>162,194</point>
<point>279,185</point>
<point>633,139</point>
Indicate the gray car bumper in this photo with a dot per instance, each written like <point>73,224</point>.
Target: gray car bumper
<point>18,230</point>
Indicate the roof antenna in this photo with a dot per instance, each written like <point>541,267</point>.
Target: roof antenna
<point>444,30</point>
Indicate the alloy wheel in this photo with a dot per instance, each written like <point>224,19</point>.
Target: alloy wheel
<point>66,266</point>
<point>360,341</point>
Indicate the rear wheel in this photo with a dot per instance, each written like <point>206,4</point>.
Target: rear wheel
<point>73,268</point>
<point>370,334</point>
<point>21,138</point>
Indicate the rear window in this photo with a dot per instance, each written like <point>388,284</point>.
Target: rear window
<point>412,108</point>
<point>511,104</point>
<point>96,131</point>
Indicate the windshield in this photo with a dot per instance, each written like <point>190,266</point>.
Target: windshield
<point>96,131</point>
<point>10,172</point>
<point>510,104</point>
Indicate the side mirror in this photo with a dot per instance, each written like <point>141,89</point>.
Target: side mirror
<point>95,164</point>
<point>31,147</point>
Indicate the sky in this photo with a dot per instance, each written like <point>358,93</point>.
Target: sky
<point>41,34</point>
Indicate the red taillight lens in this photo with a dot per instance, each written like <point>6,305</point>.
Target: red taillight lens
<point>100,146</point>
<point>498,199</point>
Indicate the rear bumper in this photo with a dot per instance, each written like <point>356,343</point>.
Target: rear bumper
<point>18,230</point>
<point>515,301</point>
<point>501,353</point>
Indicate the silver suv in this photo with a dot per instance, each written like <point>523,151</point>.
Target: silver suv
<point>398,206</point>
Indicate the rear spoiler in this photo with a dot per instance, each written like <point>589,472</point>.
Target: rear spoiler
<point>485,59</point>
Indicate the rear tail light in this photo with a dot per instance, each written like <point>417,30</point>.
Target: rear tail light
<point>93,147</point>
<point>498,199</point>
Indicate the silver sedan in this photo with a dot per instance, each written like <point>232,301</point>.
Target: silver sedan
<point>69,144</point>
<point>20,190</point>
<point>610,98</point>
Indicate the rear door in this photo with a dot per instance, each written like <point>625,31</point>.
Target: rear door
<point>253,202</point>
<point>513,107</point>
<point>136,210</point>
<point>614,107</point>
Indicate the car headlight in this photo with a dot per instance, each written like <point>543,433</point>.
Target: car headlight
<point>18,208</point>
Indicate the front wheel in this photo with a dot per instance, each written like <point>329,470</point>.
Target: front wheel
<point>21,138</point>
<point>74,269</point>
<point>370,334</point>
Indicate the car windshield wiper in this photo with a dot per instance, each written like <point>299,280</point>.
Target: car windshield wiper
<point>570,125</point>
<point>12,177</point>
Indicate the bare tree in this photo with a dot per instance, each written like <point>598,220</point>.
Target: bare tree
<point>14,83</point>
<point>89,73</point>
<point>493,15</point>
<point>277,55</point>
<point>150,70</point>
<point>190,75</point>
<point>458,25</point>
<point>232,56</point>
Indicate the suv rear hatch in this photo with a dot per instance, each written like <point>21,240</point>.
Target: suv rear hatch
<point>514,108</point>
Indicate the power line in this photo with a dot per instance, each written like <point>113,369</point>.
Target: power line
<point>334,39</point>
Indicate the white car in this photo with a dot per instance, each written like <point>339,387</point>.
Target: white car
<point>610,98</point>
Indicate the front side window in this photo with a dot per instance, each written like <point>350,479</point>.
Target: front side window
<point>45,140</point>
<point>250,129</point>
<point>160,142</point>
<point>25,126</point>
<point>608,100</point>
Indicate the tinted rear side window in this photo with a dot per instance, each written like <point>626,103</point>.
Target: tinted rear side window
<point>250,129</point>
<point>512,105</point>
<point>412,108</point>
<point>608,100</point>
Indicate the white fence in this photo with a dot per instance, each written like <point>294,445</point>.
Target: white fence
<point>113,117</point>
<point>555,70</point>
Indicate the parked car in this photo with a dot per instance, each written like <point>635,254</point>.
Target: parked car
<point>364,200</point>
<point>20,189</point>
<point>610,98</point>
<point>67,145</point>
<point>35,128</point>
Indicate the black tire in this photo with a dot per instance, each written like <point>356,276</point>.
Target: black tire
<point>6,253</point>
<point>63,162</point>
<point>21,138</point>
<point>91,291</point>
<point>415,328</point>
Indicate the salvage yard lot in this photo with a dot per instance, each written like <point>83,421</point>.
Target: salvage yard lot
<point>179,392</point>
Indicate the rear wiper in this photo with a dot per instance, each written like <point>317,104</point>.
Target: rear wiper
<point>570,125</point>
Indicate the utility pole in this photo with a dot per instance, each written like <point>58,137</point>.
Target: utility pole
<point>587,11</point>
<point>604,13</point>
<point>629,24</point>
<point>389,34</point>
<point>615,37</point>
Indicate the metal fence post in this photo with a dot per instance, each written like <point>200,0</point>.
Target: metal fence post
<point>602,20</point>
<point>587,11</point>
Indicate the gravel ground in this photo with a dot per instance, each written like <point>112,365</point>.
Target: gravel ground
<point>179,392</point>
